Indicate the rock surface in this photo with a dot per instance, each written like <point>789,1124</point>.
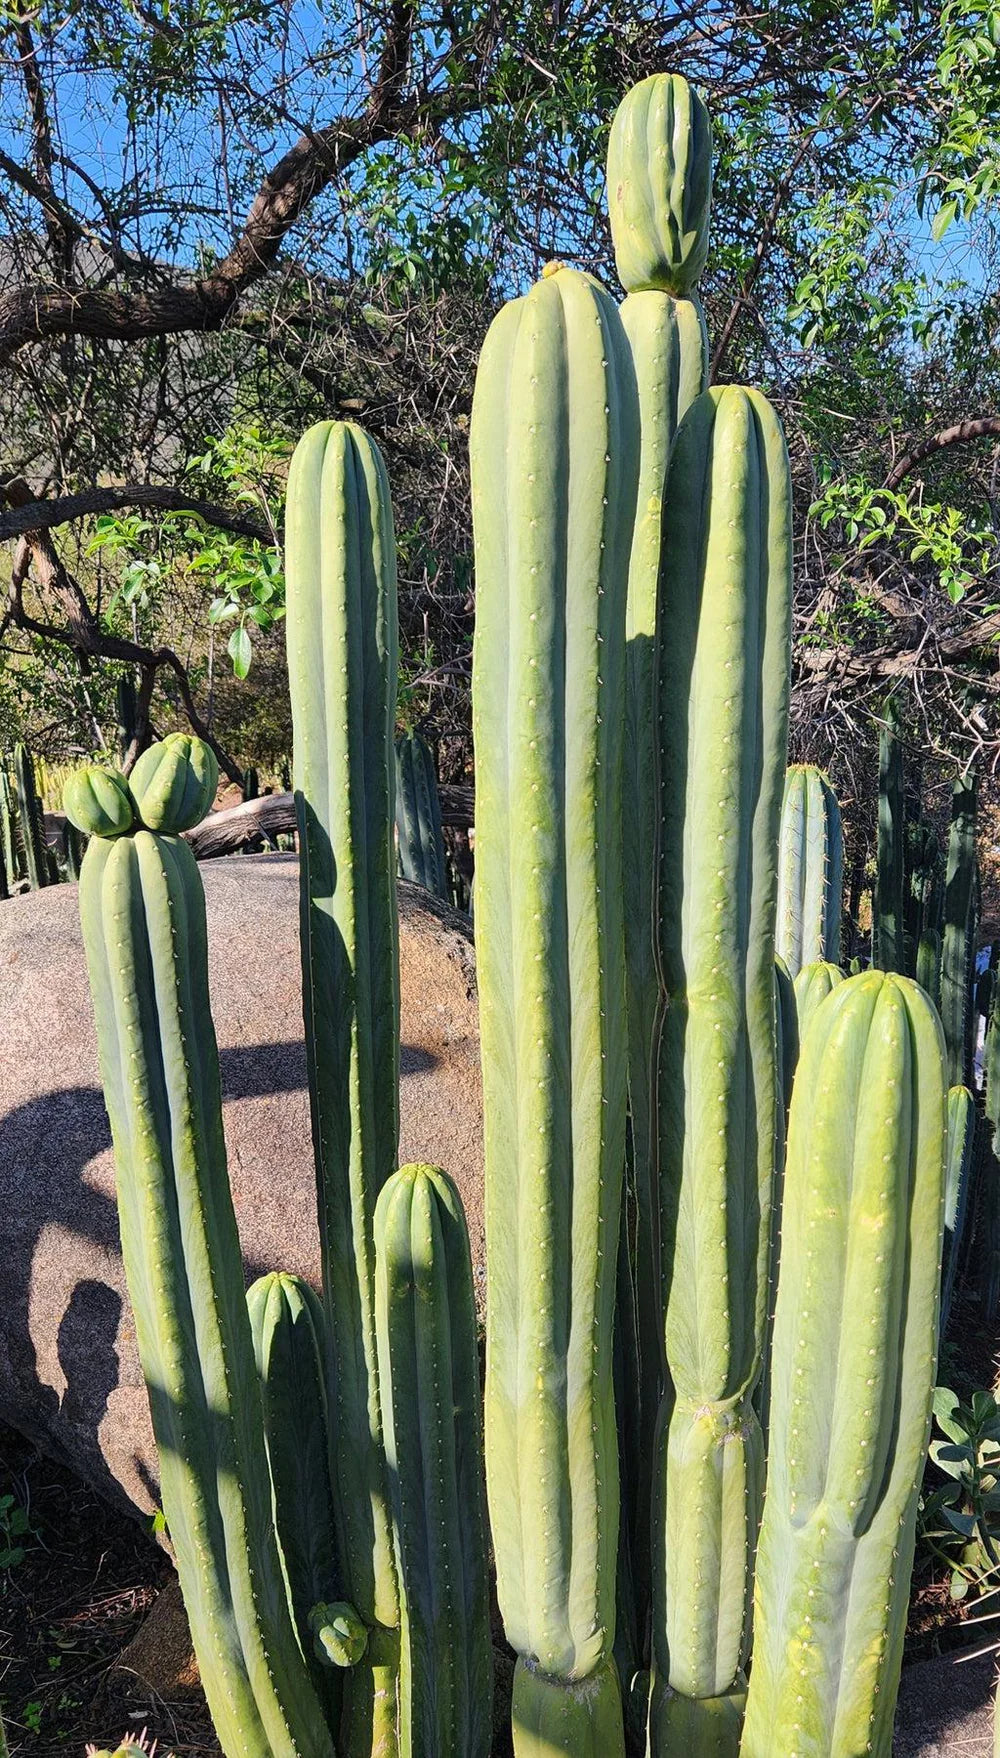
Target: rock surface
<point>946,1708</point>
<point>69,1372</point>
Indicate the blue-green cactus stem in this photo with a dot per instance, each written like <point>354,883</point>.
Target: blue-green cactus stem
<point>857,1316</point>
<point>30,818</point>
<point>958,1179</point>
<point>554,461</point>
<point>789,1028</point>
<point>429,1374</point>
<point>419,836</point>
<point>888,927</point>
<point>660,185</point>
<point>292,1354</point>
<point>670,355</point>
<point>810,870</point>
<point>812,986</point>
<point>722,693</point>
<point>173,784</point>
<point>928,969</point>
<point>8,833</point>
<point>342,656</point>
<point>958,941</point>
<point>143,915</point>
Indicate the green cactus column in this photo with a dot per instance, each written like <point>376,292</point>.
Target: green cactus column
<point>958,1177</point>
<point>855,1345</point>
<point>429,1368</point>
<point>143,915</point>
<point>888,903</point>
<point>810,871</point>
<point>341,631</point>
<point>812,986</point>
<point>31,818</point>
<point>554,458</point>
<point>419,836</point>
<point>724,625</point>
<point>958,941</point>
<point>659,198</point>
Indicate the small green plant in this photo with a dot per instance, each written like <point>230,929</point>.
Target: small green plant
<point>959,1521</point>
<point>15,1525</point>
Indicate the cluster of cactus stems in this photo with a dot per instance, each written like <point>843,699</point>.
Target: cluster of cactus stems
<point>321,1453</point>
<point>419,836</point>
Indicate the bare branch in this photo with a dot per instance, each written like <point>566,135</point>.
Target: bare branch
<point>44,515</point>
<point>980,427</point>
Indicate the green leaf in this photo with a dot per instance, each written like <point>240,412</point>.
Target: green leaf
<point>240,651</point>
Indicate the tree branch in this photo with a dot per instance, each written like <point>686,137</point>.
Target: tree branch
<point>43,515</point>
<point>980,427</point>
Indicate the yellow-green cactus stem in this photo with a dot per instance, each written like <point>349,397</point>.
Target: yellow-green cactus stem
<point>340,567</point>
<point>853,1364</point>
<point>98,802</point>
<point>173,784</point>
<point>143,914</point>
<point>660,185</point>
<point>812,986</point>
<point>929,964</point>
<point>429,1374</point>
<point>723,655</point>
<point>810,870</point>
<point>340,1637</point>
<point>554,1718</point>
<point>554,462</point>
<point>293,1363</point>
<point>659,176</point>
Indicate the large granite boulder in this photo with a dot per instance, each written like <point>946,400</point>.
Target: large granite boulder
<point>69,1372</point>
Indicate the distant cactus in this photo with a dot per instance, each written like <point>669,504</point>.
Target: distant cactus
<point>888,903</point>
<point>419,836</point>
<point>958,944</point>
<point>810,871</point>
<point>30,819</point>
<point>958,1178</point>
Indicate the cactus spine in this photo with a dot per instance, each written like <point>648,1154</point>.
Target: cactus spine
<point>31,819</point>
<point>888,935</point>
<point>724,629</point>
<point>810,871</point>
<point>857,1312</point>
<point>342,642</point>
<point>554,462</point>
<point>958,941</point>
<point>419,836</point>
<point>659,188</point>
<point>143,915</point>
<point>812,986</point>
<point>429,1374</point>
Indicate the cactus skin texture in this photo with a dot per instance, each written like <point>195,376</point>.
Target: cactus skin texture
<point>656,193</point>
<point>958,941</point>
<point>723,645</point>
<point>660,185</point>
<point>554,449</point>
<point>419,836</point>
<point>888,903</point>
<point>928,971</point>
<point>31,819</point>
<point>789,1028</point>
<point>143,914</point>
<point>173,784</point>
<point>429,1375</point>
<point>812,986</point>
<point>857,1314</point>
<point>290,1347</point>
<point>810,871</point>
<point>342,655</point>
<point>961,1146</point>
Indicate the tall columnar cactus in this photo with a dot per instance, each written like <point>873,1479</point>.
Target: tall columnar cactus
<point>854,1350</point>
<point>958,1177</point>
<point>8,833</point>
<point>889,901</point>
<point>419,836</point>
<point>812,986</point>
<point>342,643</point>
<point>659,195</point>
<point>924,890</point>
<point>30,818</point>
<point>810,871</point>
<point>554,460</point>
<point>429,1374</point>
<point>928,966</point>
<point>724,630</point>
<point>958,940</point>
<point>143,915</point>
<point>291,1349</point>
